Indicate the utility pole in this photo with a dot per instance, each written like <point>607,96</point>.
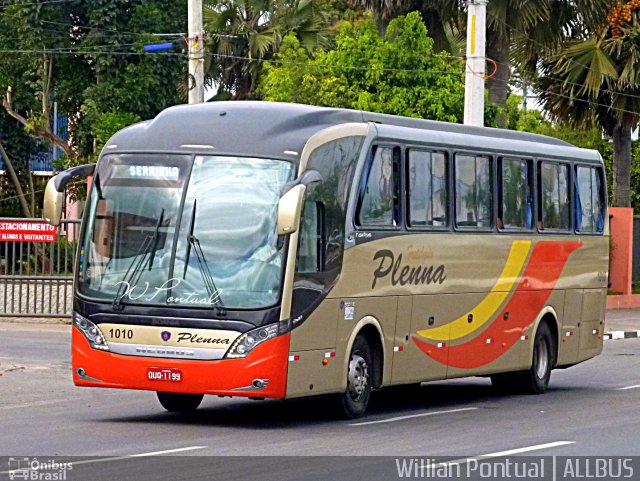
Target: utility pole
<point>475,64</point>
<point>196,49</point>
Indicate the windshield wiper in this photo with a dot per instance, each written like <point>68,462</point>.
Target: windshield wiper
<point>155,239</point>
<point>148,246</point>
<point>193,221</point>
<point>205,272</point>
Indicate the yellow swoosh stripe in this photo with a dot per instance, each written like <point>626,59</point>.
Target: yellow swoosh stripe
<point>490,304</point>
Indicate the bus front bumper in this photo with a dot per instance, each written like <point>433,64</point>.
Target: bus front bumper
<point>226,377</point>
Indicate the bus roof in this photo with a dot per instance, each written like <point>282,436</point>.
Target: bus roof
<point>281,130</point>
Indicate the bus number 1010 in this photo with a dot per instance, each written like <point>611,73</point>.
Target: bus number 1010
<point>121,333</point>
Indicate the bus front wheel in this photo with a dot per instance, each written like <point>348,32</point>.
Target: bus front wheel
<point>353,402</point>
<point>178,402</point>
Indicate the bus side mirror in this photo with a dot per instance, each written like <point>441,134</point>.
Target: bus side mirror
<point>290,209</point>
<point>53,201</point>
<point>54,193</point>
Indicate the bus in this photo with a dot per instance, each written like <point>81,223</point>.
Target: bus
<point>273,250</point>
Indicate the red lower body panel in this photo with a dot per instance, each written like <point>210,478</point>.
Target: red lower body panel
<point>267,361</point>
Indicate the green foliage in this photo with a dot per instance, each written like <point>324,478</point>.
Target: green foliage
<point>101,92</point>
<point>19,147</point>
<point>243,33</point>
<point>104,124</point>
<point>125,89</point>
<point>635,177</point>
<point>398,74</point>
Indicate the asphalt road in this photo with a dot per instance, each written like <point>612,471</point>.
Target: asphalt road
<point>590,410</point>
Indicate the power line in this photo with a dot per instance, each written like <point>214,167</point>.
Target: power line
<point>26,193</point>
<point>70,51</point>
<point>572,61</point>
<point>110,30</point>
<point>72,26</point>
<point>46,2</point>
<point>568,82</point>
<point>577,99</point>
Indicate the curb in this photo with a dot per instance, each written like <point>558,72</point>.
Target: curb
<point>612,335</point>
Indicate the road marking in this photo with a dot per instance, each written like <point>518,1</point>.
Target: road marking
<point>636,386</point>
<point>527,449</point>
<point>412,416</point>
<point>158,453</point>
<point>120,458</point>
<point>509,452</point>
<point>33,404</point>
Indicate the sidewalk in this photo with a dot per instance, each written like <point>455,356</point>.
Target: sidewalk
<point>622,323</point>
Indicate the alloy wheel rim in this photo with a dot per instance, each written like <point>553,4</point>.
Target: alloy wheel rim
<point>358,377</point>
<point>542,359</point>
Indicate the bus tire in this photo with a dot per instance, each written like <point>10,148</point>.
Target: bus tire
<point>178,402</point>
<point>353,402</point>
<point>535,380</point>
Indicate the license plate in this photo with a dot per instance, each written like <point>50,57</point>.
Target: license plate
<point>164,374</point>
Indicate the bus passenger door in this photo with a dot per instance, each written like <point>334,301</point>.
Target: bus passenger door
<point>422,338</point>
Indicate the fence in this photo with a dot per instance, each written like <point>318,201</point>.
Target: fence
<point>36,278</point>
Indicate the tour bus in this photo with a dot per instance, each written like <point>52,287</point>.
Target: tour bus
<point>272,250</point>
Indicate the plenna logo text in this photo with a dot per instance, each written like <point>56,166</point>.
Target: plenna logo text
<point>33,469</point>
<point>166,335</point>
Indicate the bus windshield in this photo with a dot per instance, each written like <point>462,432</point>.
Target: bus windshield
<point>184,231</point>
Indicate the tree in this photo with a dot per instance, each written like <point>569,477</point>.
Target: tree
<point>519,32</point>
<point>596,81</point>
<point>16,186</point>
<point>244,33</point>
<point>28,81</point>
<point>88,57</point>
<point>398,74</point>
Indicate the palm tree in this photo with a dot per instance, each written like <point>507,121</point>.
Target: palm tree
<point>244,33</point>
<point>443,18</point>
<point>519,32</point>
<point>596,81</point>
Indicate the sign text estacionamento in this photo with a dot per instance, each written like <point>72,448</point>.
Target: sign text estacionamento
<point>25,231</point>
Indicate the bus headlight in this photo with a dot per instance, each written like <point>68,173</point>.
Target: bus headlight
<point>91,332</point>
<point>249,340</point>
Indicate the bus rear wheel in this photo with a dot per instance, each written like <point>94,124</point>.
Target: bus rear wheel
<point>353,402</point>
<point>178,402</point>
<point>534,380</point>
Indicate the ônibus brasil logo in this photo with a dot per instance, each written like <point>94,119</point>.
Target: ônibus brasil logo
<point>166,335</point>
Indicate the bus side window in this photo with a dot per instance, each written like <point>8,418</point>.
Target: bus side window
<point>515,195</point>
<point>553,194</point>
<point>379,204</point>
<point>311,240</point>
<point>474,187</point>
<point>589,204</point>
<point>427,189</point>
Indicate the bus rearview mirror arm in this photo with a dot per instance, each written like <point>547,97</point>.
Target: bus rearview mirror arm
<point>54,193</point>
<point>309,177</point>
